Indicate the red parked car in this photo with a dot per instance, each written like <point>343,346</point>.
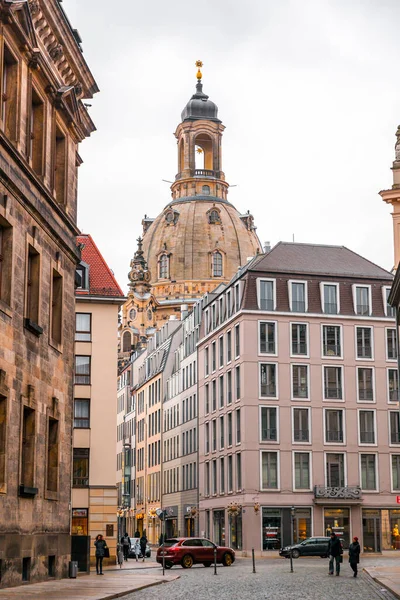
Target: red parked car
<point>188,551</point>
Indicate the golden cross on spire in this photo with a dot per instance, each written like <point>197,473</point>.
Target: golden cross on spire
<point>199,64</point>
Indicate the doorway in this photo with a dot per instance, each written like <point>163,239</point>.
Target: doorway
<point>371,530</point>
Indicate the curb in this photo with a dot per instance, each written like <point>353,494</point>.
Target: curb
<point>137,589</point>
<point>382,583</point>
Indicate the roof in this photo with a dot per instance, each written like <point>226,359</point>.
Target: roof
<point>338,261</point>
<point>102,282</point>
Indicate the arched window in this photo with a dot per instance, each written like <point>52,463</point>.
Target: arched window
<point>217,264</point>
<point>214,217</point>
<point>126,342</point>
<point>206,190</point>
<point>164,267</point>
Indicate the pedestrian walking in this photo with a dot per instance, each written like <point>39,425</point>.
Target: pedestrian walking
<point>143,544</point>
<point>354,555</point>
<point>136,547</point>
<point>101,547</point>
<point>335,552</point>
<point>126,545</point>
<point>120,555</point>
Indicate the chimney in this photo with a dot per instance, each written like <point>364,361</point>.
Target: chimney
<point>267,247</point>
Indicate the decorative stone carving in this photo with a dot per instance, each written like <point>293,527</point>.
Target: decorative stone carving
<point>56,52</point>
<point>343,493</point>
<point>34,6</point>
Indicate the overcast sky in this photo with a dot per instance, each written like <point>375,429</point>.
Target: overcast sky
<point>309,93</point>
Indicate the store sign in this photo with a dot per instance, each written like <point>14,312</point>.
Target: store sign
<point>271,532</point>
<point>398,499</point>
<point>80,512</point>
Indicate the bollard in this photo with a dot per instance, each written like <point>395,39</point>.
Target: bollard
<point>215,560</point>
<point>291,560</point>
<point>254,560</point>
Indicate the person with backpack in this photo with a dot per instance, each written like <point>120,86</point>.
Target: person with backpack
<point>126,545</point>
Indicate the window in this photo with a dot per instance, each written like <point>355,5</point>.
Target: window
<point>60,167</point>
<point>217,264</point>
<point>207,478</point>
<point>330,298</point>
<point>239,471</point>
<point>298,296</point>
<point>230,474</point>
<point>56,307</point>
<point>362,304</point>
<point>364,342</point>
<point>36,133</point>
<point>229,426</point>
<point>368,471</point>
<point>333,383</point>
<point>221,433</point>
<point>214,217</point>
<point>396,471</point>
<point>237,341</point>
<point>238,391</point>
<point>214,357</point>
<point>214,435</point>
<point>334,426</point>
<point>229,387</point>
<point>391,344</point>
<point>206,362</point>
<point>300,381</point>
<point>301,470</point>
<point>335,470</point>
<point>82,370</point>
<point>267,337</point>
<point>221,351</point>
<point>214,477</point>
<point>6,254</point>
<point>365,380</point>
<point>81,413</point>
<point>80,476</point>
<point>33,285</point>
<point>367,426</point>
<point>390,311</point>
<point>229,346</point>
<point>269,431</point>
<point>83,327</point>
<point>205,190</point>
<point>28,447</point>
<point>163,266</point>
<point>393,385</point>
<point>207,438</point>
<point>269,470</point>
<point>238,428</point>
<point>394,420</point>
<point>266,295</point>
<point>52,456</point>
<point>3,433</point>
<point>221,391</point>
<point>222,476</point>
<point>299,335</point>
<point>207,398</point>
<point>214,395</point>
<point>268,380</point>
<point>331,341</point>
<point>82,277</point>
<point>9,95</point>
<point>301,429</point>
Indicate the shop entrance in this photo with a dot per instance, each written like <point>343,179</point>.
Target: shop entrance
<point>337,520</point>
<point>219,527</point>
<point>372,530</point>
<point>302,525</point>
<point>271,528</point>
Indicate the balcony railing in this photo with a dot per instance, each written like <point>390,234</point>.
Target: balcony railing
<point>330,308</point>
<point>364,351</point>
<point>300,391</point>
<point>301,435</point>
<point>268,390</point>
<point>334,436</point>
<point>205,173</point>
<point>333,392</point>
<point>365,394</point>
<point>299,348</point>
<point>363,309</point>
<point>332,350</point>
<point>367,437</point>
<point>269,435</point>
<point>342,493</point>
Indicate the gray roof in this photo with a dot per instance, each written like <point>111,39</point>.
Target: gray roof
<point>310,259</point>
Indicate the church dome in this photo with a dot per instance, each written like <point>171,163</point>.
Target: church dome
<point>200,107</point>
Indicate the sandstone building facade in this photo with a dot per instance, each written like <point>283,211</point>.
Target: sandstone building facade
<point>43,80</point>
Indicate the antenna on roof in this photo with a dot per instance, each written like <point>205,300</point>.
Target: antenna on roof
<point>293,237</point>
<point>166,181</point>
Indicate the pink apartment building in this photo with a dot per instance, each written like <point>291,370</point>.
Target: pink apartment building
<point>298,403</point>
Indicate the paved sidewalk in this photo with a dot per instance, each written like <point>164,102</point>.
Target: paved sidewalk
<point>386,576</point>
<point>89,587</point>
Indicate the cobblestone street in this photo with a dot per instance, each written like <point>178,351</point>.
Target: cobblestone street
<point>273,581</point>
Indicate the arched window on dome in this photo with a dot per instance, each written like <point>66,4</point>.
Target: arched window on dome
<point>126,341</point>
<point>214,218</point>
<point>163,267</point>
<point>205,190</point>
<point>217,268</point>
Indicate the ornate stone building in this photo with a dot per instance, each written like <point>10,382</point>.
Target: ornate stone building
<point>43,80</point>
<point>392,196</point>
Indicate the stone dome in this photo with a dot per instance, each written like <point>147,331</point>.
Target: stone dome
<point>195,244</point>
<point>200,107</point>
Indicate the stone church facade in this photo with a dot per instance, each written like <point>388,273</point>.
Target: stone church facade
<point>44,78</point>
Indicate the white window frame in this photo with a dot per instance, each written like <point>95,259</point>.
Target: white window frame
<point>384,289</point>
<point>295,489</point>
<point>299,356</point>
<point>260,409</point>
<point>389,430</point>
<point>264,362</point>
<point>221,337</point>
<point>392,489</point>
<point>322,295</point>
<point>259,279</point>
<point>372,342</point>
<point>207,349</point>
<point>363,444</point>
<point>325,356</point>
<point>325,408</point>
<point>212,369</point>
<point>259,338</point>
<point>292,397</point>
<point>305,282</point>
<point>235,329</point>
<point>358,367</point>
<point>361,285</point>
<point>376,491</point>
<point>308,409</point>
<point>344,454</point>
<point>343,398</point>
<point>228,362</point>
<point>389,401</point>
<point>278,467</point>
<point>390,360</point>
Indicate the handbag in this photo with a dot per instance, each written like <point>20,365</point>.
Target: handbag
<point>106,552</point>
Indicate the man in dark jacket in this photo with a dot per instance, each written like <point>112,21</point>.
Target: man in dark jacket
<point>126,545</point>
<point>335,552</point>
<point>143,544</point>
<point>354,555</point>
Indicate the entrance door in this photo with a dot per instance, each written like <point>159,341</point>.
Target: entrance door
<point>371,532</point>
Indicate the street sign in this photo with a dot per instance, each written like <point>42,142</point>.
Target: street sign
<point>398,499</point>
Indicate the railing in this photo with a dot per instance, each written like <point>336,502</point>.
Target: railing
<point>342,493</point>
<point>266,304</point>
<point>299,348</point>
<point>333,392</point>
<point>364,351</point>
<point>269,435</point>
<point>332,350</point>
<point>268,390</point>
<point>365,394</point>
<point>367,437</point>
<point>300,392</point>
<point>268,347</point>
<point>395,437</point>
<point>362,309</point>
<point>298,306</point>
<point>393,395</point>
<point>330,308</point>
<point>301,435</point>
<point>204,173</point>
<point>334,436</point>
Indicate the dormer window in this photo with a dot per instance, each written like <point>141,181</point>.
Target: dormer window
<point>217,264</point>
<point>163,267</point>
<point>298,296</point>
<point>82,276</point>
<point>214,218</point>
<point>362,300</point>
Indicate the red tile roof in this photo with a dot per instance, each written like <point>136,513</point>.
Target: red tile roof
<point>101,279</point>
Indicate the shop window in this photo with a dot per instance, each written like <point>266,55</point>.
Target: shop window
<point>60,167</point>
<point>9,94</point>
<point>271,528</point>
<point>219,527</point>
<point>57,307</point>
<point>52,456</point>
<point>6,253</point>
<point>301,525</point>
<point>36,144</point>
<point>83,327</point>
<point>80,476</point>
<point>28,447</point>
<point>235,531</point>
<point>337,520</point>
<point>3,431</point>
<point>79,521</point>
<point>33,286</point>
<point>81,413</point>
<point>82,370</point>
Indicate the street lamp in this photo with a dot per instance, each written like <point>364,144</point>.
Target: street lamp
<point>292,513</point>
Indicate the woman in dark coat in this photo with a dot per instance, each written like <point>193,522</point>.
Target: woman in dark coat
<point>354,555</point>
<point>101,546</point>
<point>143,544</point>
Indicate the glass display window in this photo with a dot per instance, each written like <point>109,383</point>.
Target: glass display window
<point>337,520</point>
<point>271,528</point>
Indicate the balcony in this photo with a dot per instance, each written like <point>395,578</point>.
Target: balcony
<point>205,173</point>
<point>336,495</point>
